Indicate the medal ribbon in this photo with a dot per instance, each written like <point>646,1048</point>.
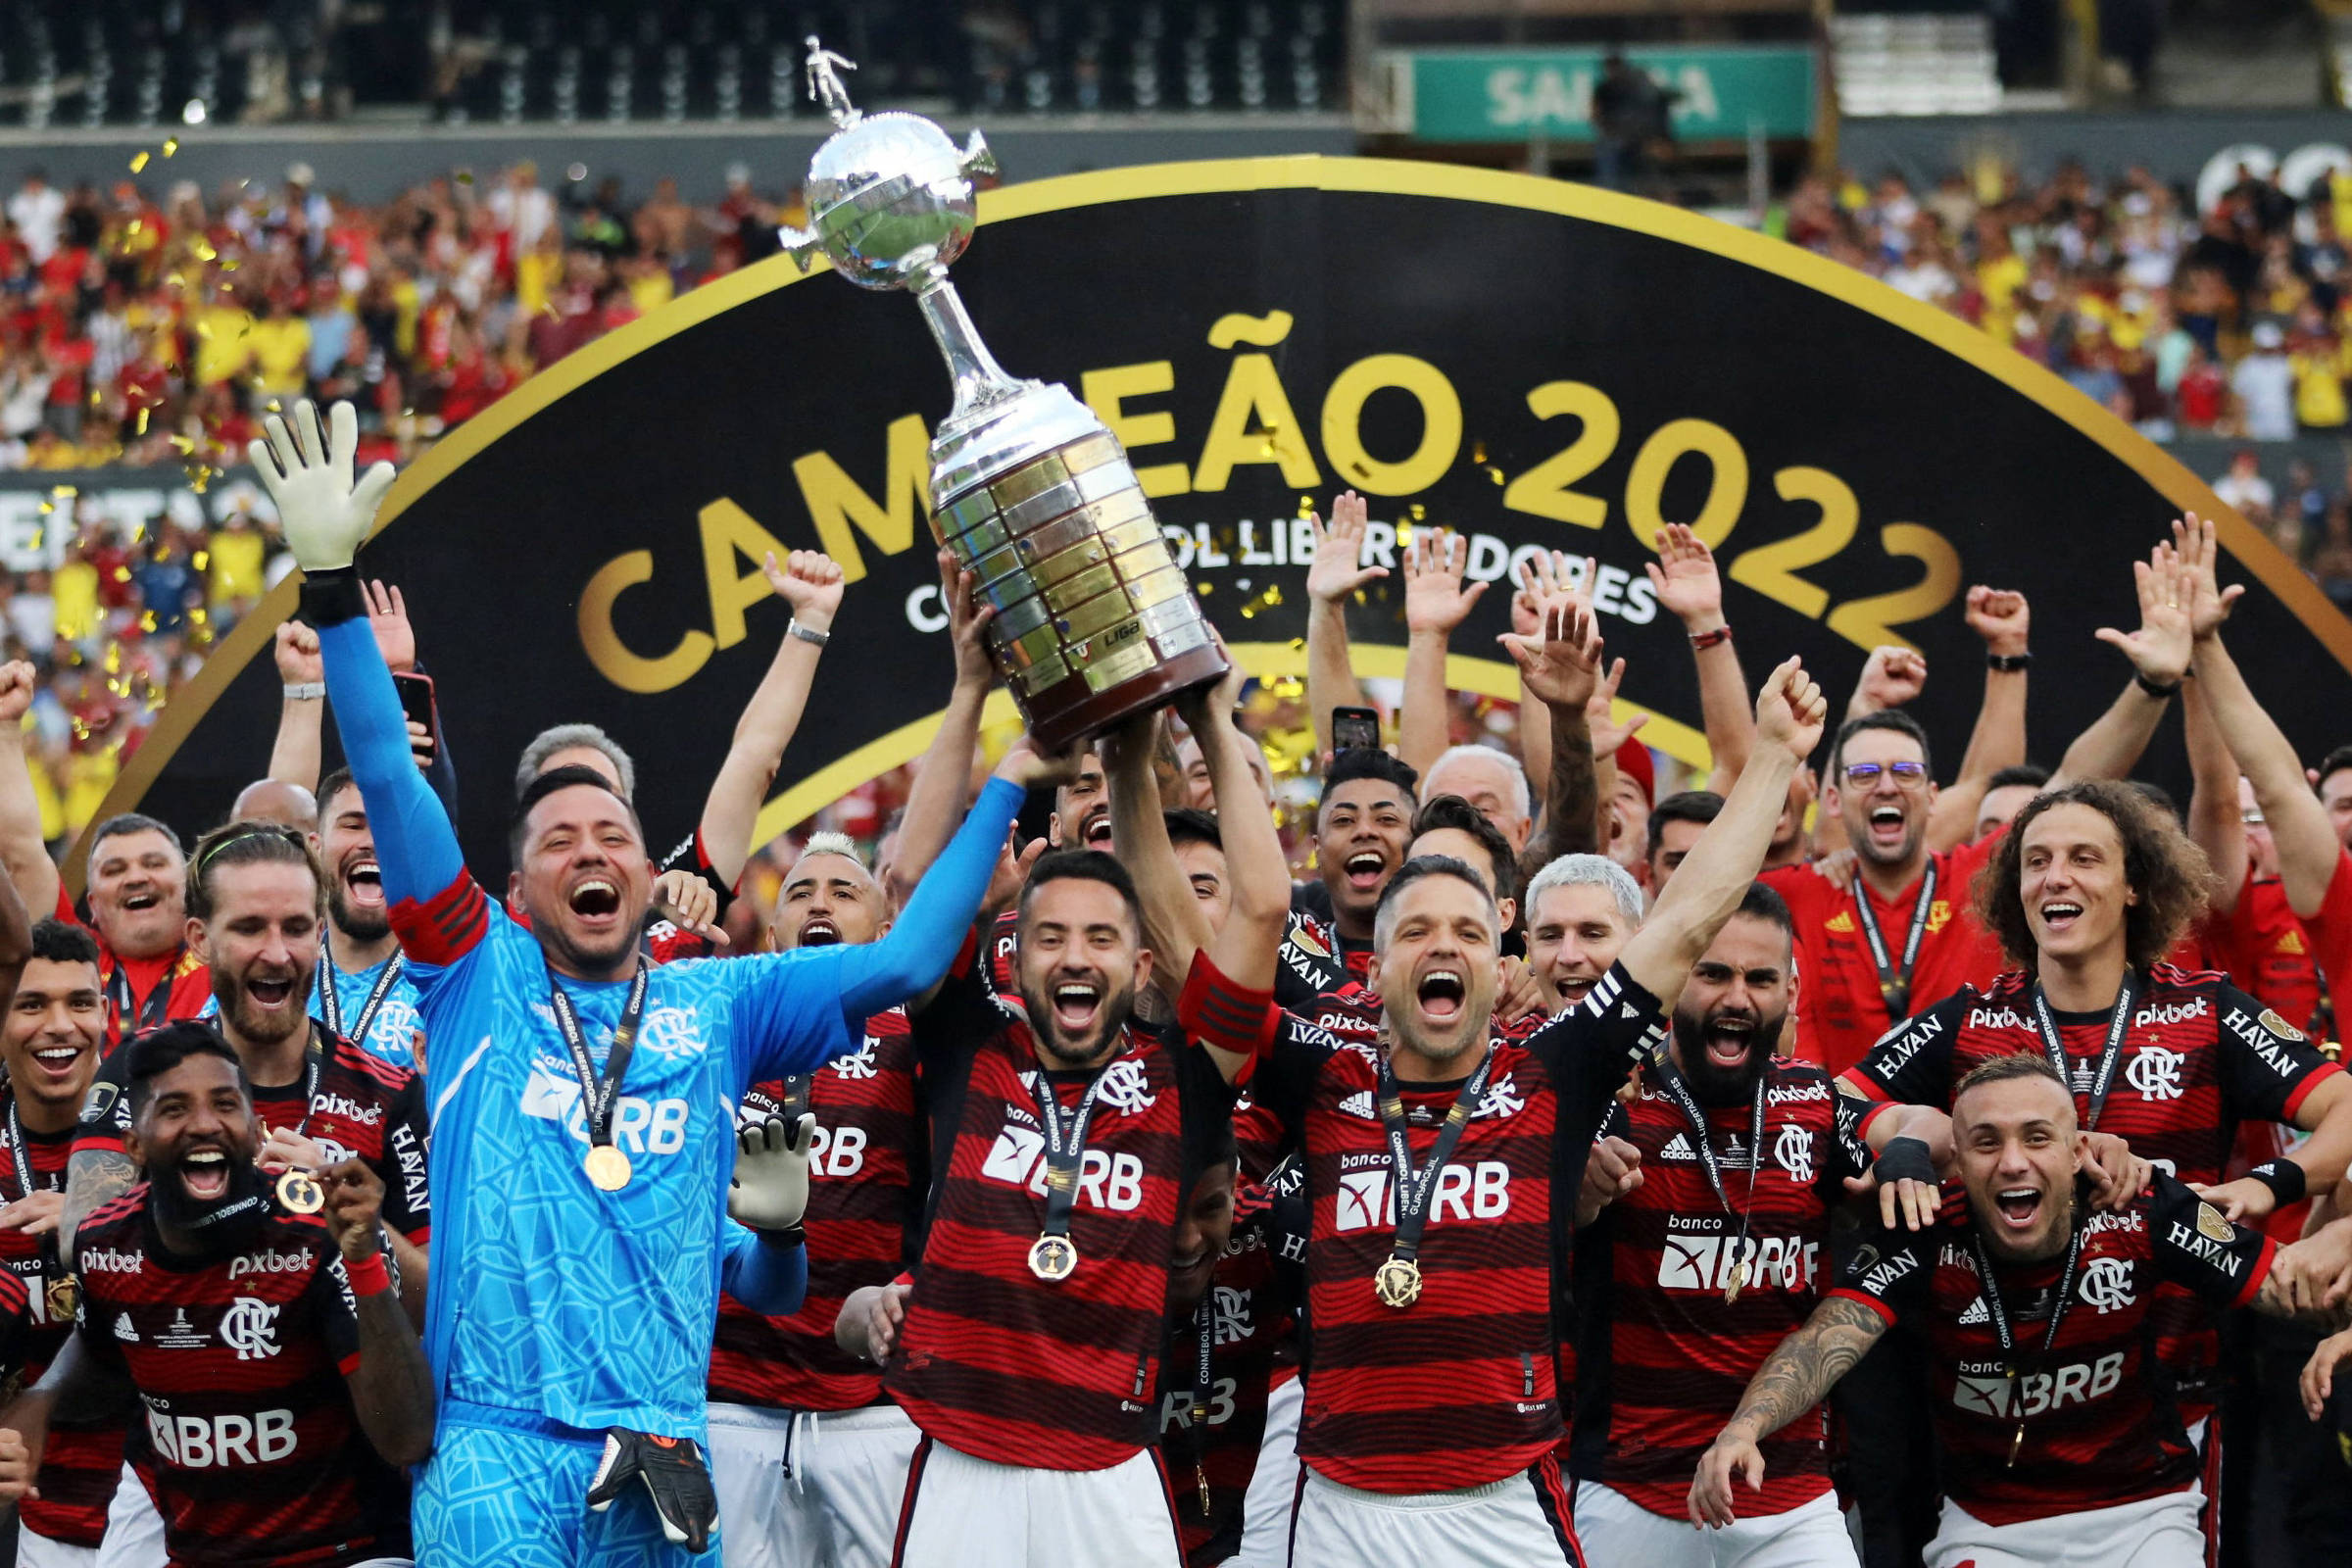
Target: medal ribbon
<point>1679,1089</point>
<point>22,1162</point>
<point>1412,1187</point>
<point>311,1056</point>
<point>159,1001</point>
<point>2117,1027</point>
<point>1205,1384</point>
<point>1998,1312</point>
<point>332,1005</point>
<point>1065,1145</point>
<point>1895,986</point>
<point>598,1097</point>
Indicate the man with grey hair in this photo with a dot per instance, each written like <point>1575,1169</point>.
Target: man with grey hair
<point>1580,910</point>
<point>1490,779</point>
<point>577,746</point>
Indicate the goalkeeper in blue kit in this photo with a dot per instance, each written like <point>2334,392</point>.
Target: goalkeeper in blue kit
<point>582,1105</point>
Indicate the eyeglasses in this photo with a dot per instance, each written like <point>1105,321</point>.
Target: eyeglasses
<point>1906,775</point>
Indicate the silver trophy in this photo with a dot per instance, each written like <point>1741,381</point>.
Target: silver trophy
<point>1028,489</point>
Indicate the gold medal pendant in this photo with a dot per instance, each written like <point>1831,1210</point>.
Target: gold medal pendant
<point>1397,1281</point>
<point>1739,1283</point>
<point>608,1168</point>
<point>2016,1443</point>
<point>63,1297</point>
<point>299,1193</point>
<point>1053,1259</point>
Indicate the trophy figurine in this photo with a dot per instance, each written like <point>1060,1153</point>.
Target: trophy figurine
<point>1029,491</point>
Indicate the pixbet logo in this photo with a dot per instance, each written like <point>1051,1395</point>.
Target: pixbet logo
<point>272,1262</point>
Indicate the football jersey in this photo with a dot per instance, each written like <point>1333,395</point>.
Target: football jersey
<point>866,1192</point>
<point>143,993</point>
<point>1842,1011</point>
<point>2100,1428</point>
<point>83,1461</point>
<point>1240,1323</point>
<point>2330,930</point>
<point>1665,1358</point>
<point>2261,945</point>
<point>992,1360</point>
<point>364,1108</point>
<point>246,1430</point>
<point>392,1028</point>
<point>1459,1389</point>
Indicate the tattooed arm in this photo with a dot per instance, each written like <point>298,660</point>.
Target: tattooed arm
<point>1800,1371</point>
<point>94,1176</point>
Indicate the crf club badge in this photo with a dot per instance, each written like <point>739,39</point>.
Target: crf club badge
<point>1536,364</point>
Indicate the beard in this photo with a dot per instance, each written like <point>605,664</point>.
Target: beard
<point>1110,1017</point>
<point>249,1021</point>
<point>370,923</point>
<point>224,1223</point>
<point>1713,1084</point>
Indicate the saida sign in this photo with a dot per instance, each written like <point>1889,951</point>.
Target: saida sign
<point>1489,95</point>
<point>1536,364</point>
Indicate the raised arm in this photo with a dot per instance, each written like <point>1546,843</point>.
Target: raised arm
<point>2003,619</point>
<point>1435,604</point>
<point>23,851</point>
<point>1560,666</point>
<point>294,756</point>
<point>1331,581</point>
<point>1796,1377</point>
<point>1715,875</point>
<point>1687,583</point>
<point>1245,946</point>
<point>2159,652</point>
<point>1175,925</point>
<point>943,777</point>
<point>810,585</point>
<point>2215,821</point>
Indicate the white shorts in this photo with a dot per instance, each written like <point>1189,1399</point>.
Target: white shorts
<point>134,1527</point>
<point>963,1512</point>
<point>808,1488</point>
<point>1616,1530</point>
<point>1518,1522</point>
<point>39,1552</point>
<point>1274,1484</point>
<point>2154,1533</point>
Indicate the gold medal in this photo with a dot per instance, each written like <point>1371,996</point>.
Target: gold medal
<point>1739,1283</point>
<point>1201,1475</point>
<point>1053,1259</point>
<point>608,1168</point>
<point>299,1193</point>
<point>65,1298</point>
<point>1397,1281</point>
<point>2017,1441</point>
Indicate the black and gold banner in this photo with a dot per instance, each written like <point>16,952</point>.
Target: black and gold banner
<point>1537,365</point>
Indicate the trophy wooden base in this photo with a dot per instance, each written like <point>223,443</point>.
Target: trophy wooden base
<point>1067,711</point>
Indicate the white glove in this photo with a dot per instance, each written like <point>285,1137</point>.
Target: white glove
<point>770,1190</point>
<point>308,473</point>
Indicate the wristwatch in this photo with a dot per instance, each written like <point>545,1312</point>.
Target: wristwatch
<point>808,634</point>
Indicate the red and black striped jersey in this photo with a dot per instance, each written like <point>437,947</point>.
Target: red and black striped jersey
<point>185,979</point>
<point>865,1191</point>
<point>991,1360</point>
<point>1247,1315</point>
<point>2101,1427</point>
<point>1460,1388</point>
<point>239,1361</point>
<point>2200,1056</point>
<point>83,1461</point>
<point>363,1107</point>
<point>1665,1356</point>
<point>1311,970</point>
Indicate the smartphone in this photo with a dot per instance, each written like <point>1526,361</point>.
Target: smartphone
<point>1352,727</point>
<point>416,702</point>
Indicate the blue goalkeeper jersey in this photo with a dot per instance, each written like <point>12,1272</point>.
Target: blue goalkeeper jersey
<point>550,1296</point>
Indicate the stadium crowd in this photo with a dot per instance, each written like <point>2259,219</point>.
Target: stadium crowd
<point>1870,1156</point>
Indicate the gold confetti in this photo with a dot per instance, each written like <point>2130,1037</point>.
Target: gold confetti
<point>199,560</point>
<point>139,160</point>
<point>135,225</point>
<point>1419,511</point>
<point>170,145</point>
<point>203,249</point>
<point>1494,473</point>
<point>183,443</point>
<point>228,264</point>
<point>1478,452</point>
<point>142,428</point>
<point>147,622</point>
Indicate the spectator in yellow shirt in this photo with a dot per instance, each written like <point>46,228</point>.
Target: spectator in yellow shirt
<point>238,554</point>
<point>74,588</point>
<point>224,342</point>
<point>281,342</point>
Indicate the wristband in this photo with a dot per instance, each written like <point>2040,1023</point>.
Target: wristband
<point>2160,692</point>
<point>2008,664</point>
<point>808,634</point>
<point>331,595</point>
<point>304,691</point>
<point>368,1275</point>
<point>794,1234</point>
<point>2284,1177</point>
<point>1703,640</point>
<point>1904,1159</point>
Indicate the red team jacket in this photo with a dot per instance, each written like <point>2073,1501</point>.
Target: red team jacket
<point>186,982</point>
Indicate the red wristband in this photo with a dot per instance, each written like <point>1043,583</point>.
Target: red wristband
<point>1709,639</point>
<point>368,1275</point>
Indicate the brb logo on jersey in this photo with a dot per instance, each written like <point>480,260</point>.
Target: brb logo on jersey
<point>205,1442</point>
<point>1480,1190</point>
<point>640,1126</point>
<point>1106,1179</point>
<point>1698,1256</point>
<point>1984,1387</point>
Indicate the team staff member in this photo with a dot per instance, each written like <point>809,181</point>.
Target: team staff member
<point>1431,1173</point>
<point>2059,1442</point>
<point>283,1385</point>
<point>50,1037</point>
<point>580,1256</point>
<point>1697,1271</point>
<point>138,881</point>
<point>808,1455</point>
<point>363,989</point>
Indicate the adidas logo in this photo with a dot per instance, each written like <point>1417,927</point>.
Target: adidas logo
<point>1629,1010</point>
<point>1677,1148</point>
<point>125,1329</point>
<point>1358,1104</point>
<point>1975,1312</point>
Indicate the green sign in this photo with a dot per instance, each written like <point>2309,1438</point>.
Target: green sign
<point>1487,95</point>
